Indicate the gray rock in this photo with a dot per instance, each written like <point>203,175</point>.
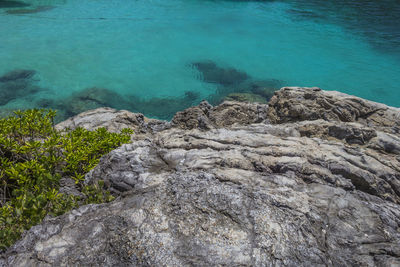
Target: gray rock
<point>246,97</point>
<point>206,117</point>
<point>238,191</point>
<point>113,120</point>
<point>292,104</point>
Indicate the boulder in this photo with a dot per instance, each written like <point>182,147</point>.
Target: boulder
<point>292,104</point>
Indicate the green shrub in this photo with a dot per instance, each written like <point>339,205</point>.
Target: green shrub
<point>33,159</point>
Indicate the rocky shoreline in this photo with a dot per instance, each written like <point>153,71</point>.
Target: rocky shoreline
<point>310,179</point>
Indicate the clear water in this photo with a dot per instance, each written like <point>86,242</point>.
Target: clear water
<point>143,50</point>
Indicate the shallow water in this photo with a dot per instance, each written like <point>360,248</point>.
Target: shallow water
<point>145,51</point>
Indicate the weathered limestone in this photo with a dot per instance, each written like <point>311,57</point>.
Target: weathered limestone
<point>298,104</point>
<point>309,184</point>
<point>113,120</point>
<point>206,117</point>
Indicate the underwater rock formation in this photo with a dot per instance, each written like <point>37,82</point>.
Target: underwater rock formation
<point>17,83</point>
<point>87,99</point>
<point>365,19</point>
<point>165,107</point>
<point>92,98</point>
<point>17,75</point>
<point>224,186</point>
<point>245,97</point>
<point>233,81</point>
<point>264,88</point>
<point>12,4</point>
<point>212,73</point>
<point>29,11</point>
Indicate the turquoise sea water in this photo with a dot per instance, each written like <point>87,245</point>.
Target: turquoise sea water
<point>158,56</point>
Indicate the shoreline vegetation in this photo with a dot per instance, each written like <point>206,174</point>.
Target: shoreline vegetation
<point>36,160</point>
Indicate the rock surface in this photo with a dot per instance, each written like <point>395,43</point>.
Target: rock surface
<point>313,179</point>
<point>113,120</point>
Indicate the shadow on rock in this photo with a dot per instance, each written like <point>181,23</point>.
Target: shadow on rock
<point>16,84</point>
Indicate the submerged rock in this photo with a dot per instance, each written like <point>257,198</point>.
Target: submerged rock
<point>165,107</point>
<point>17,75</point>
<point>212,73</point>
<point>29,11</point>
<point>264,88</point>
<point>232,81</point>
<point>17,84</point>
<point>11,4</point>
<point>91,98</point>
<point>223,186</point>
<point>246,97</point>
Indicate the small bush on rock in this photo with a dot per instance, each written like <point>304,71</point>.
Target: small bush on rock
<point>34,157</point>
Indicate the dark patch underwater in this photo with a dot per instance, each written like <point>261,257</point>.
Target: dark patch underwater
<point>12,4</point>
<point>378,21</point>
<point>231,84</point>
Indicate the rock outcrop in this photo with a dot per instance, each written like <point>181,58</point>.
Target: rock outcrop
<point>114,121</point>
<point>313,179</point>
<point>292,104</point>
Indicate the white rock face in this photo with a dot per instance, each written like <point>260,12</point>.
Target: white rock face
<point>313,179</point>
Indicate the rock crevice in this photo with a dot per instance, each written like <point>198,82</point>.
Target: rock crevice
<point>312,179</point>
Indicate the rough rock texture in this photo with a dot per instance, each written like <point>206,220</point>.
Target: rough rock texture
<point>292,104</point>
<point>206,117</point>
<point>113,120</point>
<point>316,188</point>
<point>246,97</point>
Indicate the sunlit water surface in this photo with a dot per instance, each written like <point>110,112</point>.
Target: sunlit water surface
<point>145,51</point>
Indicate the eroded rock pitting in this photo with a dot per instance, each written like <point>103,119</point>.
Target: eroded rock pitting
<point>238,184</point>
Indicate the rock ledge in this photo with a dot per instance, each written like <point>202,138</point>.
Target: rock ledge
<point>312,179</point>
